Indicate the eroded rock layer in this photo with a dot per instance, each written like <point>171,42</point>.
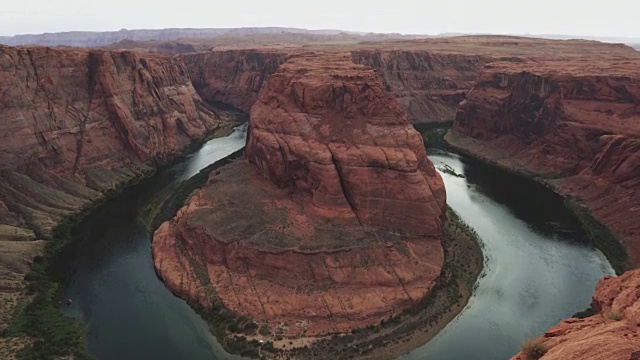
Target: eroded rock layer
<point>428,77</point>
<point>325,125</point>
<point>574,123</point>
<point>333,223</point>
<point>613,333</point>
<point>233,77</point>
<point>428,85</point>
<point>74,123</point>
<point>77,122</point>
<point>255,248</point>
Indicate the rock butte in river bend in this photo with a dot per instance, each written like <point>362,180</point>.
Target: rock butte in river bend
<point>335,220</point>
<point>613,333</point>
<point>326,126</point>
<point>74,124</point>
<point>593,124</point>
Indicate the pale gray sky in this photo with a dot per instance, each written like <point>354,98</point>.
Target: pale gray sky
<point>620,18</point>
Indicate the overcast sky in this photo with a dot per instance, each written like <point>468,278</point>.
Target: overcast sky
<point>620,18</point>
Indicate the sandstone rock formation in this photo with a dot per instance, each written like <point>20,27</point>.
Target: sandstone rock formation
<point>428,85</point>
<point>429,77</point>
<point>613,333</point>
<point>333,223</point>
<point>574,123</point>
<point>233,77</point>
<point>77,122</point>
<point>332,130</point>
<point>74,123</point>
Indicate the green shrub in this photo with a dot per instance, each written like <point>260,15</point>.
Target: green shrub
<point>534,349</point>
<point>600,236</point>
<point>614,315</point>
<point>55,335</point>
<point>585,313</point>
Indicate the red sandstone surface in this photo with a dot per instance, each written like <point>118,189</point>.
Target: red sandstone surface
<point>428,77</point>
<point>233,77</point>
<point>325,125</point>
<point>255,247</point>
<point>335,221</point>
<point>574,123</point>
<point>613,333</point>
<point>75,123</point>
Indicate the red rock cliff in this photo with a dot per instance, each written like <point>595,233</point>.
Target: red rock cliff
<point>613,333</point>
<point>429,77</point>
<point>574,123</point>
<point>233,77</point>
<point>428,85</point>
<point>77,122</point>
<point>74,123</point>
<point>331,129</point>
<point>334,224</point>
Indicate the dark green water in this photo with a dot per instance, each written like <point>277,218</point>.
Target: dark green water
<point>539,269</point>
<point>127,310</point>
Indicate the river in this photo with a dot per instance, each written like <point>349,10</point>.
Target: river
<point>108,273</point>
<point>539,268</point>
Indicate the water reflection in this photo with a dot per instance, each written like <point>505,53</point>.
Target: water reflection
<point>108,272</point>
<point>539,267</point>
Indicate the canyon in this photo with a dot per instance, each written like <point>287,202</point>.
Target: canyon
<point>573,123</point>
<point>75,124</point>
<point>336,199</point>
<point>565,113</point>
<point>333,221</point>
<point>428,77</point>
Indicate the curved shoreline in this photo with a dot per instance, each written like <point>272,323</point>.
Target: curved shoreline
<point>383,341</point>
<point>414,327</point>
<point>598,233</point>
<point>42,305</point>
<point>396,336</point>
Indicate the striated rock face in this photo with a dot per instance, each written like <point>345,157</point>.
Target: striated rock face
<point>428,85</point>
<point>613,333</point>
<point>574,123</point>
<point>333,223</point>
<point>326,126</point>
<point>428,77</point>
<point>77,122</point>
<point>74,123</point>
<point>233,77</point>
<point>258,250</point>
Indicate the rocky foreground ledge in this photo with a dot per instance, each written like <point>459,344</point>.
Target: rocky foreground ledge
<point>612,333</point>
<point>332,223</point>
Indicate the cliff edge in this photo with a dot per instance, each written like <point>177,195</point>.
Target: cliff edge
<point>574,124</point>
<point>75,123</point>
